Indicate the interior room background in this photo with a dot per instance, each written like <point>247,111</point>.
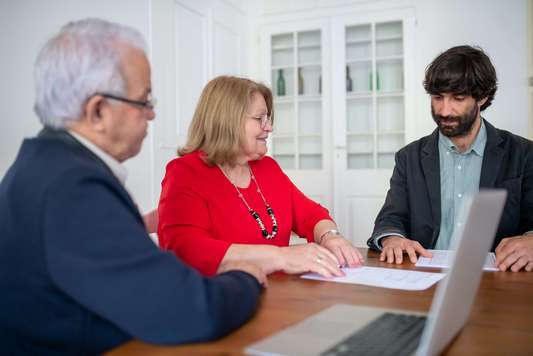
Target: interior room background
<point>335,132</point>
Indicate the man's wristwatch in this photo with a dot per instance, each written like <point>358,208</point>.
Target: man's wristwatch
<point>330,231</point>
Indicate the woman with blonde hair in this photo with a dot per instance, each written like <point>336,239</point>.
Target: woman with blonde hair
<point>223,200</point>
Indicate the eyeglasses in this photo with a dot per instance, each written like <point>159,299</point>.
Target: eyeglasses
<point>264,120</point>
<point>147,104</point>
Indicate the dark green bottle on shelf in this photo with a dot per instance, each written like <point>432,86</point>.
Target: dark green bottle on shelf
<point>280,84</point>
<point>300,82</point>
<point>349,86</point>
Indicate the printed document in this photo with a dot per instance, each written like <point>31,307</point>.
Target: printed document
<point>442,258</point>
<point>384,278</point>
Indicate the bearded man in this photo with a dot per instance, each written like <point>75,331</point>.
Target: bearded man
<point>434,174</point>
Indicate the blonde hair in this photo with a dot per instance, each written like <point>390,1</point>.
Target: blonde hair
<point>217,127</point>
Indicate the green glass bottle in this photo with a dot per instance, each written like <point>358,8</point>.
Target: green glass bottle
<point>349,84</point>
<point>300,82</point>
<point>280,84</point>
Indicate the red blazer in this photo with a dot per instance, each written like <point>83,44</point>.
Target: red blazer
<point>201,214</point>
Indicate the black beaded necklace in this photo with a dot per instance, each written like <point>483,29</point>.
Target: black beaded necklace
<point>252,212</point>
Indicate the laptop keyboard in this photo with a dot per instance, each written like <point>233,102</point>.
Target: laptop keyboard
<point>390,334</point>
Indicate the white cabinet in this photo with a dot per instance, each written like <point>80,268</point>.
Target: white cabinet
<point>297,55</point>
<point>374,94</point>
<point>343,97</point>
<point>296,82</point>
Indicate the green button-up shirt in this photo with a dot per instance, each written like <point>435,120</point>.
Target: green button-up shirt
<point>459,177</point>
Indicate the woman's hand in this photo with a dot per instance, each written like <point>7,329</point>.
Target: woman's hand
<point>309,258</point>
<point>344,251</point>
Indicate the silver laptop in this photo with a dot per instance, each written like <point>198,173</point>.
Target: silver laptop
<point>357,330</point>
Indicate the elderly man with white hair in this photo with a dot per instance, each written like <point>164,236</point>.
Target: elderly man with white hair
<point>78,272</point>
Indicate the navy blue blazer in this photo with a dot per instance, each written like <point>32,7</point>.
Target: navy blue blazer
<point>413,208</point>
<point>78,272</point>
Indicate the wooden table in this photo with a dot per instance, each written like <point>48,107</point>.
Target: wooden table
<point>501,321</point>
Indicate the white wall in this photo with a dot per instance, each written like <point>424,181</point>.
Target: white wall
<point>500,28</point>
<point>25,25</point>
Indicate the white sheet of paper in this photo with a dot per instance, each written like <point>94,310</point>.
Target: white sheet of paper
<point>442,258</point>
<point>384,277</point>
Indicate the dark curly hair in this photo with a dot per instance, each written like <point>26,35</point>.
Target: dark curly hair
<point>463,70</point>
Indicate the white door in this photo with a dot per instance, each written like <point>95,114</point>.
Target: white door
<point>372,87</point>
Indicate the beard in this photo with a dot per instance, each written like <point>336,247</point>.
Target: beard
<point>456,126</point>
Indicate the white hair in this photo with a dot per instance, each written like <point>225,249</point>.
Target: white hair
<point>83,59</point>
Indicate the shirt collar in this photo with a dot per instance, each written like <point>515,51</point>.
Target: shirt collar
<point>115,166</point>
<point>478,146</point>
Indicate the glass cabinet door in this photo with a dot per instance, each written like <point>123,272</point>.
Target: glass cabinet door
<point>375,127</point>
<point>297,87</point>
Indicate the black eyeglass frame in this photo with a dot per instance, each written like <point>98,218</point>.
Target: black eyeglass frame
<point>148,104</point>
